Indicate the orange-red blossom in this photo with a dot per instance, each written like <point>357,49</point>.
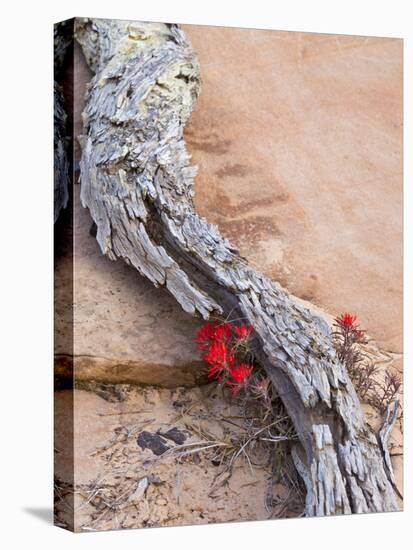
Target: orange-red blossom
<point>217,342</point>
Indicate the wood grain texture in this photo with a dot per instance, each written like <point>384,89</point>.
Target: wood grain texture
<point>137,182</point>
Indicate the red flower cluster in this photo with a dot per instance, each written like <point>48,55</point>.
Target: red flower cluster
<point>220,344</point>
<point>239,374</point>
<point>346,320</point>
<point>347,324</point>
<point>243,331</point>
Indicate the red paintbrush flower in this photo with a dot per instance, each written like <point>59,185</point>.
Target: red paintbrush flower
<point>211,332</point>
<point>216,371</point>
<point>217,342</point>
<point>239,375</point>
<point>242,332</point>
<point>220,358</point>
<point>346,320</point>
<point>205,336</point>
<point>241,372</point>
<point>222,332</point>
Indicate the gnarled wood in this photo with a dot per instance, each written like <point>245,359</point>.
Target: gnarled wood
<point>138,185</point>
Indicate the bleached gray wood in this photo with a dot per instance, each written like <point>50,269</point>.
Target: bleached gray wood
<point>137,182</point>
<point>384,435</point>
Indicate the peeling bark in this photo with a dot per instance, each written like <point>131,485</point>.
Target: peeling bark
<point>137,182</point>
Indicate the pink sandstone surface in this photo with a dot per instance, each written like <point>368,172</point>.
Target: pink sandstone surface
<point>298,139</point>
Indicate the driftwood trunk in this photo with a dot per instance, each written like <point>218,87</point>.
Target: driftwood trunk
<point>138,185</point>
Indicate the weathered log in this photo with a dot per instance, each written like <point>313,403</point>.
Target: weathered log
<point>63,36</point>
<point>61,164</point>
<point>137,181</point>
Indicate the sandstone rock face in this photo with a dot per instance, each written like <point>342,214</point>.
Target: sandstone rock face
<point>298,139</point>
<point>125,329</point>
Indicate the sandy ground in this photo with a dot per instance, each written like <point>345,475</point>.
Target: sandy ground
<point>119,484</point>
